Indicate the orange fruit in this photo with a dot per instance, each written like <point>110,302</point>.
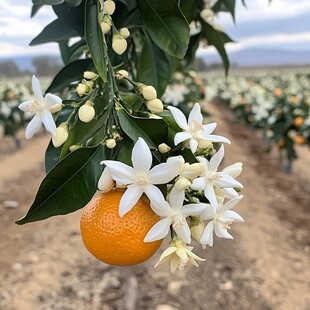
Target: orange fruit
<point>115,240</point>
<point>298,121</point>
<point>299,140</point>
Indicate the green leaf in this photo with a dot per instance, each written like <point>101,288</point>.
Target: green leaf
<point>189,9</point>
<point>153,68</point>
<point>133,101</point>
<point>48,2</point>
<point>67,187</point>
<point>166,25</point>
<point>70,73</point>
<point>56,31</point>
<point>153,131</point>
<point>74,2</point>
<point>35,8</point>
<point>95,39</point>
<point>226,6</point>
<point>218,40</point>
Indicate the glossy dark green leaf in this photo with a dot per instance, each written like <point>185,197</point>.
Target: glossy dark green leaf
<point>74,3</point>
<point>191,52</point>
<point>68,74</point>
<point>166,25</point>
<point>67,187</point>
<point>189,9</point>
<point>218,40</point>
<point>95,39</point>
<point>48,2</point>
<point>133,101</point>
<point>56,31</point>
<point>153,131</point>
<point>153,68</point>
<point>35,8</point>
<point>130,4</point>
<point>225,6</point>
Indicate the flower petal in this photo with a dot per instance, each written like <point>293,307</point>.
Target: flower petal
<point>193,209</point>
<point>48,121</point>
<point>179,117</point>
<point>156,198</point>
<point>36,87</point>
<point>183,232</point>
<point>216,138</point>
<point>129,199</point>
<point>229,192</point>
<point>50,100</point>
<point>231,203</point>
<point>120,172</point>
<point>199,184</point>
<point>141,156</point>
<point>181,137</point>
<point>195,114</point>
<point>233,170</point>
<point>105,183</point>
<point>34,126</point>
<point>163,173</point>
<point>159,231</point>
<point>207,235</point>
<point>24,106</point>
<point>209,128</point>
<point>221,232</point>
<point>208,213</point>
<point>210,194</point>
<point>216,159</point>
<point>174,263</point>
<point>176,198</point>
<point>226,180</point>
<point>193,144</point>
<point>232,215</point>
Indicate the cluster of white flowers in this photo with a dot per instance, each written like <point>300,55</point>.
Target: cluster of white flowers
<point>199,199</point>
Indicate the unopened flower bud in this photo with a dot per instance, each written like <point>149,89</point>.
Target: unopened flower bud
<point>233,170</point>
<point>105,27</point>
<point>124,32</point>
<point>87,112</point>
<point>192,171</point>
<point>164,148</point>
<point>105,183</point>
<point>149,92</point>
<point>182,184</point>
<point>119,44</point>
<point>218,27</point>
<point>204,144</point>
<point>121,74</point>
<point>56,108</point>
<point>207,15</point>
<point>109,7</point>
<point>89,75</point>
<point>110,143</point>
<point>82,89</point>
<point>197,228</point>
<point>155,105</point>
<point>61,135</point>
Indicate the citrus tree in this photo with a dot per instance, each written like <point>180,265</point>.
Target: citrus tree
<point>112,130</point>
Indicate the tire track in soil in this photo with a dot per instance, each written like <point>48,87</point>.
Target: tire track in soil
<point>47,266</point>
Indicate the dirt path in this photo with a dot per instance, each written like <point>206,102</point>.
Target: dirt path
<point>45,266</point>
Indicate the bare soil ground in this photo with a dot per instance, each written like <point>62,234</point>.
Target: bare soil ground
<point>45,265</point>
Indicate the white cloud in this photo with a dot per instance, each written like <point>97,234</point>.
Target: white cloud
<point>9,50</point>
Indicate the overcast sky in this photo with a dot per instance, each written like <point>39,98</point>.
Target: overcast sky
<point>283,24</point>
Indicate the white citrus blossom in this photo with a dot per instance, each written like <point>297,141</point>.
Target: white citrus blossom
<point>222,217</point>
<point>174,213</point>
<point>193,129</point>
<point>41,107</point>
<point>141,178</point>
<point>211,178</point>
<point>178,255</point>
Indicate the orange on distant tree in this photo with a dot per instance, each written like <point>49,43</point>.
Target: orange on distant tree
<point>115,240</point>
<point>299,140</point>
<point>298,121</point>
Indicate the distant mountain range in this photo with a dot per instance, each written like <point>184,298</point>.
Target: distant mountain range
<point>262,57</point>
<point>243,58</point>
